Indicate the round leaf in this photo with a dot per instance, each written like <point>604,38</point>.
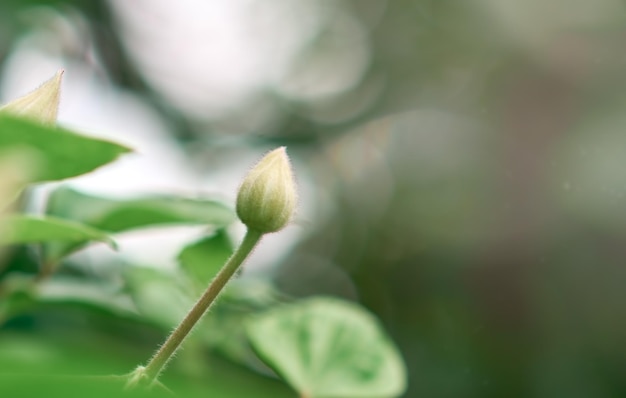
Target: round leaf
<point>327,347</point>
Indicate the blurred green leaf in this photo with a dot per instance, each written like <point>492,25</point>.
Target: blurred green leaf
<point>97,293</point>
<point>326,347</point>
<point>203,259</point>
<point>20,258</point>
<point>122,215</point>
<point>20,228</point>
<point>160,296</point>
<point>20,295</point>
<point>60,153</point>
<point>16,296</point>
<point>39,385</point>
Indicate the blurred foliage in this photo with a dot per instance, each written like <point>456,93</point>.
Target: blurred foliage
<point>193,258</point>
<point>66,333</point>
<point>19,229</point>
<point>469,190</point>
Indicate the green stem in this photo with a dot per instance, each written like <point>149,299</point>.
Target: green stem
<point>166,351</point>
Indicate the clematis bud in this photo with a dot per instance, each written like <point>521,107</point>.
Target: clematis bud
<point>41,105</point>
<point>267,197</point>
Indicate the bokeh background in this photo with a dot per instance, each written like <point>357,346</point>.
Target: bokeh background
<point>462,164</point>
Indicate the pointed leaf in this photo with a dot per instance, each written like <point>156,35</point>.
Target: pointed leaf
<point>20,229</point>
<point>122,215</point>
<point>60,153</point>
<point>327,347</point>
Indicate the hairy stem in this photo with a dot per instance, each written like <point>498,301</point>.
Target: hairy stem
<point>166,351</point>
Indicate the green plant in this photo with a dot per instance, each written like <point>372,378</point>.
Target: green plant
<point>321,347</point>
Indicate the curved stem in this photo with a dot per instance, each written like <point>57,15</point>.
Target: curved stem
<point>166,351</point>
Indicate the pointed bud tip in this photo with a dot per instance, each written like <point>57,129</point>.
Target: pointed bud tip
<point>267,197</point>
<point>42,104</point>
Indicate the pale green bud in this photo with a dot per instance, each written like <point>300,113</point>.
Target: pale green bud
<point>267,197</point>
<point>41,105</point>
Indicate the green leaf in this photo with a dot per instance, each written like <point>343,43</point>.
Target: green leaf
<point>59,153</point>
<point>20,229</point>
<point>20,296</point>
<point>160,296</point>
<point>122,215</point>
<point>203,259</point>
<point>327,347</point>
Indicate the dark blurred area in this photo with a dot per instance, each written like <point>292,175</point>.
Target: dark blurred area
<point>462,161</point>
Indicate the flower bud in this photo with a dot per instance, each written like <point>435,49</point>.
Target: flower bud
<point>41,105</point>
<point>267,197</point>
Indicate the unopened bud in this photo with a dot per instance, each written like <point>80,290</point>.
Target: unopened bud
<point>267,197</point>
<point>41,105</point>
